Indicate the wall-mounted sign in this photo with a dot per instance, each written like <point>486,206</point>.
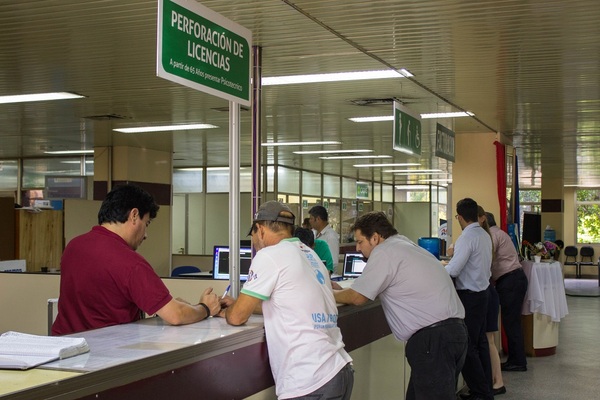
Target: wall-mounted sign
<point>407,130</point>
<point>305,204</point>
<point>201,49</point>
<point>326,204</point>
<point>362,190</point>
<point>444,143</point>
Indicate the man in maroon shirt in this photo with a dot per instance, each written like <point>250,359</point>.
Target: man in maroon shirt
<point>104,281</point>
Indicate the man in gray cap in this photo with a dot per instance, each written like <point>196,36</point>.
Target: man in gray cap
<point>292,285</point>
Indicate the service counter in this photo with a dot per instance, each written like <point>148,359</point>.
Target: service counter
<point>208,359</point>
<point>544,306</point>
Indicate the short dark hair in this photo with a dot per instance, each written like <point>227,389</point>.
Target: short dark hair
<point>374,222</point>
<point>305,235</point>
<point>490,219</point>
<point>122,199</point>
<point>319,211</point>
<point>467,208</point>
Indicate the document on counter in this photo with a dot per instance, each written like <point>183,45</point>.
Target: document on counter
<point>24,351</point>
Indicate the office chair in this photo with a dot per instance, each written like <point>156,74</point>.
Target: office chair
<point>184,269</point>
<point>571,252</point>
<point>586,255</point>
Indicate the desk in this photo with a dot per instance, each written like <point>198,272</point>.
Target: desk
<point>209,359</point>
<point>544,306</point>
<point>203,274</point>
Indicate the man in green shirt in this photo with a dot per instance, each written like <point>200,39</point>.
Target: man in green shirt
<point>319,246</point>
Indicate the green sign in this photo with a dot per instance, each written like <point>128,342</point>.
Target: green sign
<point>444,143</point>
<point>407,130</point>
<point>362,190</point>
<point>304,204</point>
<point>203,50</point>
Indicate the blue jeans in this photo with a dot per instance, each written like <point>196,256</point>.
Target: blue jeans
<point>338,388</point>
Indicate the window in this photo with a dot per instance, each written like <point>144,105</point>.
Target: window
<point>588,216</point>
<point>529,201</point>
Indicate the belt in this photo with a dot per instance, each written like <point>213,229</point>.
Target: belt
<point>514,271</point>
<point>448,321</point>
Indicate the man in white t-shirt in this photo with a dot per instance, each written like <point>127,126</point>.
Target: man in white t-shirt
<point>292,285</point>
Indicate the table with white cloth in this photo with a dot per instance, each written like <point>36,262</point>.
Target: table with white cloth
<point>544,306</point>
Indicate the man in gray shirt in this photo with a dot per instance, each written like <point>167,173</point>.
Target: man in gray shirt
<point>419,302</point>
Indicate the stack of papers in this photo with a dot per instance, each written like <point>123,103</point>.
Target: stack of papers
<point>24,351</point>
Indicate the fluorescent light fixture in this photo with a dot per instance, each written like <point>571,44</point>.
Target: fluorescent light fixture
<point>196,169</point>
<point>447,115</point>
<point>413,171</point>
<point>419,173</point>
<point>164,128</point>
<point>77,162</point>
<point>334,77</point>
<point>332,151</point>
<point>423,116</point>
<point>386,165</point>
<point>411,187</point>
<point>80,152</point>
<point>372,119</point>
<point>220,168</point>
<point>22,98</point>
<point>436,180</point>
<point>351,157</point>
<point>269,144</point>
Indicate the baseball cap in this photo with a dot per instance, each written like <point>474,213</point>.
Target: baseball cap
<point>270,211</point>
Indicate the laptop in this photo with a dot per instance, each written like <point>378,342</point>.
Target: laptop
<point>354,264</point>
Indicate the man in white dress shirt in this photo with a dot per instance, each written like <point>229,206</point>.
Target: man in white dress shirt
<point>319,221</point>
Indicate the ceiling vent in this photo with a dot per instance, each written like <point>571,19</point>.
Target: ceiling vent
<point>380,102</point>
<point>106,117</point>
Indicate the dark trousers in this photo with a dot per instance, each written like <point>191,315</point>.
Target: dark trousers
<point>436,356</point>
<point>477,370</point>
<point>511,289</point>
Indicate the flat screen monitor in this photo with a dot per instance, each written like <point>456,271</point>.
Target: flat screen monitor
<point>221,262</point>
<point>354,264</point>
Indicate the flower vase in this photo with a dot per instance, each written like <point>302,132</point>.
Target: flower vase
<point>537,259</point>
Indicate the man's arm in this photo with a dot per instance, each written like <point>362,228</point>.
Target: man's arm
<point>178,312</point>
<point>349,296</point>
<point>239,312</point>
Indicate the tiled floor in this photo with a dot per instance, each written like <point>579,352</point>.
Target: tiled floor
<point>574,371</point>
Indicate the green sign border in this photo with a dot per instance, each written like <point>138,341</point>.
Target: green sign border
<point>219,71</point>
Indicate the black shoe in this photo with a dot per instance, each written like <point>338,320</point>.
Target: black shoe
<point>499,391</point>
<point>512,367</point>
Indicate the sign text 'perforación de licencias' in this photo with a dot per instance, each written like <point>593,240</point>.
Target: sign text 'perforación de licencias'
<point>203,50</point>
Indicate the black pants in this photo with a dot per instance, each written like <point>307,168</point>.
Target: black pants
<point>436,356</point>
<point>511,289</point>
<point>477,370</point>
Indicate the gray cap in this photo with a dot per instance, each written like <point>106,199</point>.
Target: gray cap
<point>270,211</point>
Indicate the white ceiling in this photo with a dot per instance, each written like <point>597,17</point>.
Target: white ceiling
<point>527,69</point>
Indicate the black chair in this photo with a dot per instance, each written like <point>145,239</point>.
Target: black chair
<point>586,257</point>
<point>571,253</point>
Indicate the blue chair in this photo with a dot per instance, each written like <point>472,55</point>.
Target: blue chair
<point>184,269</point>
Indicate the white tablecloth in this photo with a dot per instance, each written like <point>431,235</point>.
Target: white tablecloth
<point>546,291</point>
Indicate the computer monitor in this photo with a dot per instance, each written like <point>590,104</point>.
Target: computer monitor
<point>354,264</point>
<point>221,262</point>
